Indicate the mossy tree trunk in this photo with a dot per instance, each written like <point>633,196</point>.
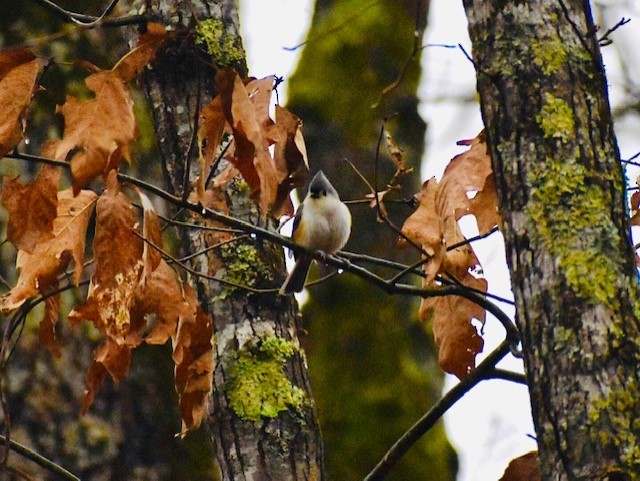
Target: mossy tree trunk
<point>372,364</point>
<point>562,198</point>
<point>261,418</point>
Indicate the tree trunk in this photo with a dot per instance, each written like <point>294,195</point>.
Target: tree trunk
<point>562,198</point>
<point>261,417</point>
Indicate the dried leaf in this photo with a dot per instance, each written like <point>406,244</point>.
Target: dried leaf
<point>212,127</point>
<point>396,153</point>
<point>18,75</point>
<point>484,206</point>
<point>108,358</point>
<point>193,356</point>
<point>466,172</point>
<point>118,268</point>
<point>290,157</point>
<point>32,208</point>
<point>524,468</point>
<point>47,331</point>
<point>635,208</point>
<point>161,295</point>
<point>101,128</point>
<point>457,339</point>
<point>152,233</point>
<point>426,228</point>
<point>38,270</point>
<point>252,158</point>
<point>133,62</point>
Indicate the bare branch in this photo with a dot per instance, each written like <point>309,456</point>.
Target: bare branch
<point>333,260</point>
<point>90,21</point>
<point>605,40</point>
<point>506,375</point>
<point>58,471</point>
<point>426,422</point>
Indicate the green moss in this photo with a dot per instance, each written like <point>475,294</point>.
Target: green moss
<point>258,387</point>
<point>374,46</point>
<point>226,50</point>
<point>610,426</point>
<point>556,118</point>
<point>568,212</point>
<point>549,55</point>
<point>243,266</point>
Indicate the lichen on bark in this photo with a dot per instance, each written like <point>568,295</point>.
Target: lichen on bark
<point>258,386</point>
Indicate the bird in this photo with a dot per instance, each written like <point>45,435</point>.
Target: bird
<point>322,222</point>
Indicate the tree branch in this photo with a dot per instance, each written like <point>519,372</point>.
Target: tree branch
<point>426,422</point>
<point>55,469</point>
<point>90,21</point>
<point>332,260</point>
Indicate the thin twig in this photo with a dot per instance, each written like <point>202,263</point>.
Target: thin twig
<point>426,422</point>
<point>605,40</point>
<point>195,273</point>
<point>90,21</point>
<point>40,460</point>
<point>417,38</point>
<point>506,375</point>
<point>335,28</point>
<point>472,239</point>
<point>193,141</point>
<point>215,246</point>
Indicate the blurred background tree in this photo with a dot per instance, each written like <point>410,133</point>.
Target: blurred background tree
<point>373,366</point>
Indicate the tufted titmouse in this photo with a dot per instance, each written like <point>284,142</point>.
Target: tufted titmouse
<point>322,222</point>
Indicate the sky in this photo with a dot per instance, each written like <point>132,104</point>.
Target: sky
<point>492,424</point>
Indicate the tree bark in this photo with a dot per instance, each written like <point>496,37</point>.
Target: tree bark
<point>258,357</point>
<point>562,199</point>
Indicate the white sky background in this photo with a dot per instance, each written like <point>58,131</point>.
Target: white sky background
<point>489,426</point>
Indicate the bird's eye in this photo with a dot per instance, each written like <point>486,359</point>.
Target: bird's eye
<point>324,192</point>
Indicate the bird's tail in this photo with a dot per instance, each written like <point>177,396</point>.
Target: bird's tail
<point>297,277</point>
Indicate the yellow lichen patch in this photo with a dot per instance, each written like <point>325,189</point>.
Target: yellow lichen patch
<point>556,118</point>
<point>549,55</point>
<point>568,212</point>
<point>609,418</point>
<point>225,49</point>
<point>258,386</point>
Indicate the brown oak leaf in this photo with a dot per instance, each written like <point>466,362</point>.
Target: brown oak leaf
<point>143,53</point>
<point>465,173</point>
<point>161,296</point>
<point>457,339</point>
<point>290,157</point>
<point>523,468</point>
<point>39,269</point>
<point>100,130</point>
<point>32,208</point>
<point>193,356</point>
<point>252,157</point>
<point>18,75</point>
<point>426,228</point>
<point>118,268</point>
<point>108,358</point>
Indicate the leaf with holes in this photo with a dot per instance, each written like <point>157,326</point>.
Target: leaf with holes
<point>118,268</point>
